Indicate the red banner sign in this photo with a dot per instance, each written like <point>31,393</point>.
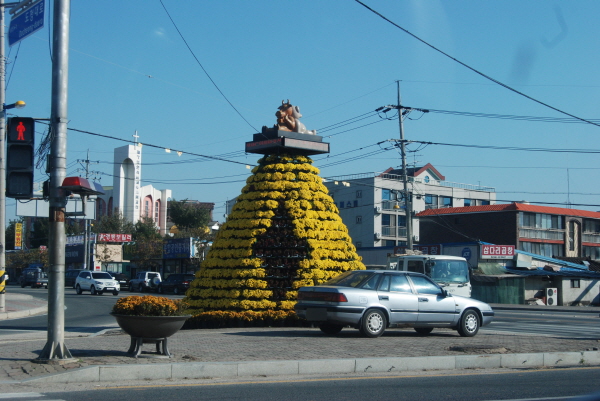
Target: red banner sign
<point>114,237</point>
<point>497,251</point>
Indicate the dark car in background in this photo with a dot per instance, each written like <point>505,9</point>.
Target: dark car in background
<point>122,278</point>
<point>70,276</point>
<point>177,283</point>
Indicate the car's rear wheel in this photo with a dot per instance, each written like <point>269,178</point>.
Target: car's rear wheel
<point>130,287</point>
<point>78,290</point>
<point>331,329</point>
<point>373,323</point>
<point>469,323</point>
<point>423,330</point>
<point>140,288</point>
<point>93,290</point>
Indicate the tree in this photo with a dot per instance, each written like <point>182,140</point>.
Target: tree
<point>114,224</point>
<point>145,229</point>
<point>186,215</point>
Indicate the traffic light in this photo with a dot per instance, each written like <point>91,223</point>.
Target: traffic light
<point>20,157</point>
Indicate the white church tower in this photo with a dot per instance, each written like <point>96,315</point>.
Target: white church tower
<point>128,196</point>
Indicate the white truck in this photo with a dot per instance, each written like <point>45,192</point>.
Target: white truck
<point>451,272</point>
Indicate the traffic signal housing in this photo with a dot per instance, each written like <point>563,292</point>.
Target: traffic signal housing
<point>20,157</point>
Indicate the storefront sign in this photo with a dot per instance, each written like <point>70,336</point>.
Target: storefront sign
<point>497,251</point>
<point>179,248</point>
<point>114,237</point>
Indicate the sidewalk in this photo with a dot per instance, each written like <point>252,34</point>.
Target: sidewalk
<point>275,351</point>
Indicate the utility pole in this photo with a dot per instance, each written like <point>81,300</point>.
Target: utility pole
<point>86,250</point>
<point>55,350</point>
<point>407,193</point>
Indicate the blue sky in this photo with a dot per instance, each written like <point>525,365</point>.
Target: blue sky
<point>130,70</point>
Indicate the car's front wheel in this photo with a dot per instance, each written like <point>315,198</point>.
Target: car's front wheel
<point>159,289</point>
<point>115,292</point>
<point>423,330</point>
<point>130,287</point>
<point>78,290</point>
<point>331,329</point>
<point>93,290</point>
<point>469,324</point>
<point>373,323</point>
<point>176,290</point>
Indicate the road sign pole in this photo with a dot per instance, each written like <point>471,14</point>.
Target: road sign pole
<point>55,350</point>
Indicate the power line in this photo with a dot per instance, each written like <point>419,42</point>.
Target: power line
<point>203,69</point>
<point>473,69</point>
<point>590,151</point>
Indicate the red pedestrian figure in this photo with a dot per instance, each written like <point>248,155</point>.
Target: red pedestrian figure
<point>21,131</point>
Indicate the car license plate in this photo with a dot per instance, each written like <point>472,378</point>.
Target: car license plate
<point>109,288</point>
<point>316,314</point>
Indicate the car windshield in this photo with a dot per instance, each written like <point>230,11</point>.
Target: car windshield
<point>101,276</point>
<point>450,271</point>
<point>350,279</point>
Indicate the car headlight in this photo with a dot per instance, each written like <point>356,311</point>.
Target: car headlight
<point>99,282</point>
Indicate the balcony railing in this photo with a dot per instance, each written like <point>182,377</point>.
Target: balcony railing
<point>593,238</point>
<point>393,231</point>
<point>541,234</point>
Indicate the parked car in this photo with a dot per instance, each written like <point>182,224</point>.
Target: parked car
<point>145,281</point>
<point>177,283</point>
<point>372,300</point>
<point>71,276</point>
<point>122,278</point>
<point>96,283</point>
<point>34,277</point>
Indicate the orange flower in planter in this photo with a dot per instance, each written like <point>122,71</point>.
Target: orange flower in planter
<point>149,305</point>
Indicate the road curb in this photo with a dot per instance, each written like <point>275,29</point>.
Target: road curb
<point>208,370</point>
<point>23,313</point>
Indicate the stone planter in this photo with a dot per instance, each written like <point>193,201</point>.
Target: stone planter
<point>150,329</point>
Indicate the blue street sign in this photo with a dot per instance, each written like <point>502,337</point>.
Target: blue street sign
<point>26,23</point>
<point>466,253</point>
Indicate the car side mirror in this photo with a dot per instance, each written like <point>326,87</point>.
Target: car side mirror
<point>446,293</point>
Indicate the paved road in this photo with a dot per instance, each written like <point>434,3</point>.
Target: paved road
<point>556,324</point>
<point>83,314</point>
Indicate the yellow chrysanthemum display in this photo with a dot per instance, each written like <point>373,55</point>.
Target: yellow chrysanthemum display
<point>283,233</point>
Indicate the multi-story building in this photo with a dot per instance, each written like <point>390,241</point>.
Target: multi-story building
<point>127,194</point>
<point>372,204</point>
<point>542,230</point>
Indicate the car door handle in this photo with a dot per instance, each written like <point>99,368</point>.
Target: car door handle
<point>384,298</point>
<point>423,300</point>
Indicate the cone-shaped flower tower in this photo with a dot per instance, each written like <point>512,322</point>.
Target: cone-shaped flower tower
<point>284,232</point>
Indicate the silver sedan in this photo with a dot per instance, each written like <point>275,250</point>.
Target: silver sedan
<point>373,300</point>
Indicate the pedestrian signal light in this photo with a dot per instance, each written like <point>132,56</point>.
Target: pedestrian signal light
<point>20,157</point>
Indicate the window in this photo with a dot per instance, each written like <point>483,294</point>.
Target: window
<point>389,242</point>
<point>415,266</point>
<point>431,201</point>
<point>447,201</point>
<point>401,221</point>
<point>424,286</point>
<point>399,283</point>
<point>572,228</point>
<point>591,226</point>
<point>592,252</point>
<point>575,283</point>
<point>485,202</point>
<point>384,285</point>
<point>358,219</point>
<point>467,202</point>
<point>388,220</point>
<point>359,194</point>
<point>386,194</point>
<point>371,283</point>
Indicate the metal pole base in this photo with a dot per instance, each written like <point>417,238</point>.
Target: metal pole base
<point>55,353</point>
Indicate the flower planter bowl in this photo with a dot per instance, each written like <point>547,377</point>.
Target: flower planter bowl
<point>150,329</point>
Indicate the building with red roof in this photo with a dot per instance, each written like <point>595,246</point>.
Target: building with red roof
<point>543,230</point>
